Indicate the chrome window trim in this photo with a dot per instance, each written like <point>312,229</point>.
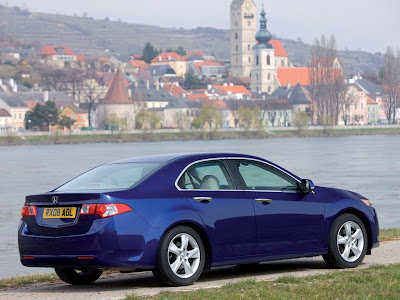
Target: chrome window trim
<point>234,190</point>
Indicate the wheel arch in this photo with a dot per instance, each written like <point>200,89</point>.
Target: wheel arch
<point>204,238</point>
<point>363,219</point>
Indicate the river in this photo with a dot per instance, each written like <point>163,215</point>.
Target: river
<point>368,165</point>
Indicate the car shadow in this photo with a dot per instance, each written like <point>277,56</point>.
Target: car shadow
<point>146,281</point>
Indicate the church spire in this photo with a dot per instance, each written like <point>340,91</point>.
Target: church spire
<point>263,36</point>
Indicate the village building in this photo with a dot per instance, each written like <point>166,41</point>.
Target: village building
<point>17,109</point>
<point>375,92</point>
<point>373,112</point>
<point>5,121</point>
<point>180,113</point>
<point>174,60</point>
<point>116,109</point>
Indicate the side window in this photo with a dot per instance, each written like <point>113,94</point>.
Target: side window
<point>206,176</point>
<point>259,176</point>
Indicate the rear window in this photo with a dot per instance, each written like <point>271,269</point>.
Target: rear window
<point>110,177</point>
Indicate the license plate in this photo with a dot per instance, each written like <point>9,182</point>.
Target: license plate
<point>59,213</point>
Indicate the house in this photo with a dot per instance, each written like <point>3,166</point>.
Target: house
<point>275,112</point>
<point>174,60</point>
<point>237,92</point>
<point>180,113</point>
<point>59,53</point>
<point>375,92</point>
<point>17,109</point>
<point>160,71</point>
<point>5,121</point>
<point>373,114</point>
<point>116,109</point>
<point>74,112</point>
<point>207,69</point>
<point>174,89</point>
<point>355,110</point>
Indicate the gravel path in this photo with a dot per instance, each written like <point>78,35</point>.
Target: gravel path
<point>117,286</point>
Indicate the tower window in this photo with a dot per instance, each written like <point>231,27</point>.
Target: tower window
<point>282,63</point>
<point>249,59</point>
<point>237,48</point>
<point>236,36</point>
<point>269,76</point>
<point>257,77</point>
<point>236,23</point>
<point>269,89</point>
<point>249,23</point>
<point>248,47</point>
<point>268,60</point>
<point>257,60</point>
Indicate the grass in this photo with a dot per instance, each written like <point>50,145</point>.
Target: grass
<point>389,234</point>
<point>122,137</point>
<point>377,282</point>
<point>19,281</point>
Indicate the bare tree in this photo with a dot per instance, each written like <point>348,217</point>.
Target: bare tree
<point>75,79</point>
<point>93,90</point>
<point>54,80</point>
<point>349,98</point>
<point>326,82</point>
<point>391,82</point>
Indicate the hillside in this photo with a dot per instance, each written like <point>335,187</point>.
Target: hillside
<point>100,38</point>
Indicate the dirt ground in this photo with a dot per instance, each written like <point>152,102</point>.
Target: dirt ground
<point>117,286</point>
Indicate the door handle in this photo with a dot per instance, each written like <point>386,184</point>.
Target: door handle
<point>264,201</point>
<point>203,199</point>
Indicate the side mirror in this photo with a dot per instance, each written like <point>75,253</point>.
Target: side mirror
<point>307,186</point>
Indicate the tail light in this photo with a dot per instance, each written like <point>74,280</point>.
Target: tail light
<point>104,210</point>
<point>28,211</point>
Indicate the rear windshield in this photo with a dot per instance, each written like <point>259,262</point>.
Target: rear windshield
<point>110,177</point>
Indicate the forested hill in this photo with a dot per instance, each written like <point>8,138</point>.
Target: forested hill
<point>103,37</point>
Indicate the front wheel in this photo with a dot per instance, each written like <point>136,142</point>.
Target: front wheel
<point>180,258</point>
<point>348,242</point>
<point>78,277</point>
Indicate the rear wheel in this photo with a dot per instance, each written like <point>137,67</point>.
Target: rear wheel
<point>348,242</point>
<point>78,277</point>
<point>180,258</point>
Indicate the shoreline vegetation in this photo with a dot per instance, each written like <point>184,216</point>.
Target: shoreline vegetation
<point>386,235</point>
<point>49,138</point>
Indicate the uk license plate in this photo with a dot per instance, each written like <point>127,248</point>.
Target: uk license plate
<point>59,213</point>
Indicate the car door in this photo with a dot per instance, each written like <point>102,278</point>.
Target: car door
<point>288,220</point>
<point>228,213</point>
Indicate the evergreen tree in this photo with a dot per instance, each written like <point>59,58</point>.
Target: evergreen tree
<point>46,114</point>
<point>149,53</point>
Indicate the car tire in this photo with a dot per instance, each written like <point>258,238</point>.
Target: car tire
<point>347,242</point>
<point>78,277</point>
<point>180,257</point>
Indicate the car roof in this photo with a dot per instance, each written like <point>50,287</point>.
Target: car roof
<point>165,158</point>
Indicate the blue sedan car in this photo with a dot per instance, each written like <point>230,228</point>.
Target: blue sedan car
<point>178,214</point>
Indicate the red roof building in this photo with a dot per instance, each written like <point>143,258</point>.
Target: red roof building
<point>167,56</point>
<point>118,92</point>
<point>233,89</point>
<point>174,89</point>
<point>293,76</point>
<point>60,53</point>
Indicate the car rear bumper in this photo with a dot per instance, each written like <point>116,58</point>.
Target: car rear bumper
<point>109,243</point>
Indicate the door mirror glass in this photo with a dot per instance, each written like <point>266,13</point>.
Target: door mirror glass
<point>307,186</point>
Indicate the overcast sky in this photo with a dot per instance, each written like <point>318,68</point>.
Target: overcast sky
<point>370,25</point>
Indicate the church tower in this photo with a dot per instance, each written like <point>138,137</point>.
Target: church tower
<point>264,68</point>
<point>243,31</point>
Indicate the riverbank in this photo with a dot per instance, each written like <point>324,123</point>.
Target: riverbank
<point>32,138</point>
